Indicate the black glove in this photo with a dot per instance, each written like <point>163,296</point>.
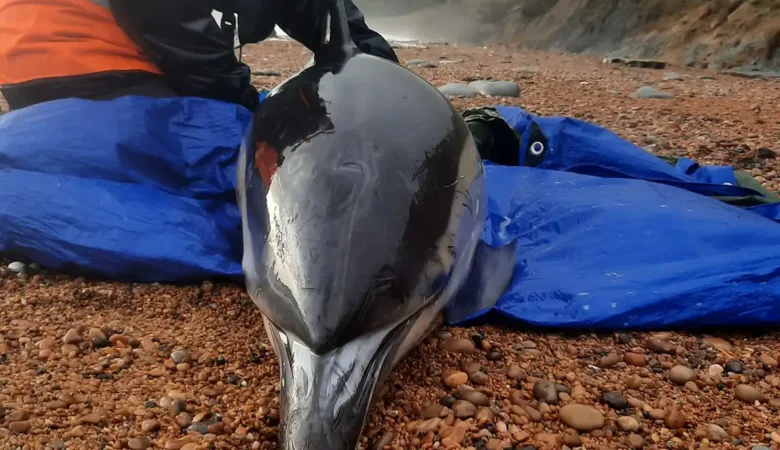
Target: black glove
<point>250,99</point>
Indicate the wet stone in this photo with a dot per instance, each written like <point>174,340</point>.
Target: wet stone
<point>16,267</point>
<point>650,92</point>
<point>658,346</point>
<point>614,400</point>
<point>458,90</point>
<point>422,63</point>
<point>464,409</point>
<point>734,367</point>
<point>681,375</point>
<point>748,394</point>
<point>496,88</point>
<point>180,356</point>
<point>458,345</point>
<point>473,396</point>
<point>179,406</point>
<point>581,417</point>
<point>139,443</point>
<point>199,427</point>
<point>545,391</point>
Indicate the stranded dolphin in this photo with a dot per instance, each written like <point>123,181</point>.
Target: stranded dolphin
<point>363,203</point>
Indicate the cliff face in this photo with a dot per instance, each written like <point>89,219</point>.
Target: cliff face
<point>705,33</point>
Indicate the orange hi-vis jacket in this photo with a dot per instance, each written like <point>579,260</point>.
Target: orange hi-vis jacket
<point>44,39</point>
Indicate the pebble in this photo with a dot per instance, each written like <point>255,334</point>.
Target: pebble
<point>422,63</point>
<point>715,371</point>
<point>496,88</point>
<point>435,410</point>
<point>734,367</point>
<point>748,394</point>
<point>479,377</point>
<point>650,92</point>
<point>139,443</point>
<point>458,90</point>
<point>97,417</point>
<point>581,417</point>
<point>768,361</point>
<point>615,400</point>
<point>473,396</point>
<point>675,419</point>
<point>464,409</point>
<point>681,375</point>
<point>717,434</point>
<point>16,267</point>
<point>717,343</point>
<point>550,439</point>
<point>692,386</point>
<point>458,345</point>
<point>454,378</point>
<point>179,406</point>
<point>183,420</point>
<point>75,432</point>
<point>635,359</point>
<point>628,423</point>
<point>20,426</point>
<point>544,391</point>
<point>150,425</point>
<point>636,441</point>
<point>386,439</point>
<point>609,361</point>
<point>658,346</point>
<point>515,372</point>
<point>180,356</point>
<point>72,337</point>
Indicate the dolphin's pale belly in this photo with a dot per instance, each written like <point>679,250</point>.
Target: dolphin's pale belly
<point>363,200</point>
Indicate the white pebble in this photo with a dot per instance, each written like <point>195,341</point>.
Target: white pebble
<point>16,267</point>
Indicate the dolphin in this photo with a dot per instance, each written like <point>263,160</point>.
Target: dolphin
<point>363,201</point>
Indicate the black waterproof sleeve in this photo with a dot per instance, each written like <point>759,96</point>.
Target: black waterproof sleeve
<point>184,40</point>
<point>302,21</point>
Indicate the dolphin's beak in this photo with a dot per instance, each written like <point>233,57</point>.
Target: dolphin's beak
<point>326,397</point>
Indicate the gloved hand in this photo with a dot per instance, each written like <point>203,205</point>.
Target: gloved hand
<point>250,99</point>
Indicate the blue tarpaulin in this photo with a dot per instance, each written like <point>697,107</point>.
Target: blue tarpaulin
<point>608,235</point>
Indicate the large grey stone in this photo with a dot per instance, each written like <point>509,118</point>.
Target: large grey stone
<point>496,88</point>
<point>458,90</point>
<point>650,92</point>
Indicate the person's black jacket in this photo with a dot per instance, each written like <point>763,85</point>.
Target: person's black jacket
<point>198,58</point>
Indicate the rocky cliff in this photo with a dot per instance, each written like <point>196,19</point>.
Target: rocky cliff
<point>705,33</point>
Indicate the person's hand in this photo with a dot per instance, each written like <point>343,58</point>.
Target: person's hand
<point>250,99</point>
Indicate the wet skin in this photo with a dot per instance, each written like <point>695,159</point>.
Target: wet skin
<point>363,200</point>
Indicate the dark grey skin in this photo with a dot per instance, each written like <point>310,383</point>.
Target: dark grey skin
<point>363,202</point>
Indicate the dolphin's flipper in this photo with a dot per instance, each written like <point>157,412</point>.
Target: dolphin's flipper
<point>490,276</point>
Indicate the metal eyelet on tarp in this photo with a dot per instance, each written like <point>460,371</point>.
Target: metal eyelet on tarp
<point>537,148</point>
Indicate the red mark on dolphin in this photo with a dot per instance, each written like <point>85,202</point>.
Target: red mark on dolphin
<point>266,162</point>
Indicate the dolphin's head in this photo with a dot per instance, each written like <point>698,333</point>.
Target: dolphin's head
<point>362,199</point>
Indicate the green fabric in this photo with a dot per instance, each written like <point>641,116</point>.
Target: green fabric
<point>746,180</point>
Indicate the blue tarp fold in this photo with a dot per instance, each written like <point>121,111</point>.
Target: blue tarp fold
<point>608,235</point>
